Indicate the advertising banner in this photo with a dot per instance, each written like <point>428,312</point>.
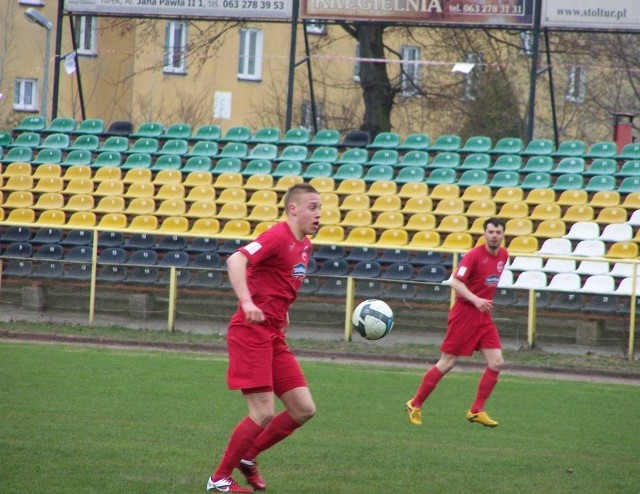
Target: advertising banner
<point>591,14</point>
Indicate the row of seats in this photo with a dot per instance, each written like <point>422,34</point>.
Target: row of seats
<point>570,282</point>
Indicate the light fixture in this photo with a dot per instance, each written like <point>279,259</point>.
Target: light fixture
<point>36,17</point>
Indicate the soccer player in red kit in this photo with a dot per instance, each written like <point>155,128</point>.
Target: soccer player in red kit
<point>470,327</point>
<point>266,275</point>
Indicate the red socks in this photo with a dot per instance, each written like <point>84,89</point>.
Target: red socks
<point>485,387</point>
<point>242,437</point>
<point>278,429</point>
<point>428,384</point>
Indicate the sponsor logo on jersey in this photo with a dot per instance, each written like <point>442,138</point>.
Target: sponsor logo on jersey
<point>492,279</point>
<point>253,247</point>
<point>299,270</point>
<point>500,266</point>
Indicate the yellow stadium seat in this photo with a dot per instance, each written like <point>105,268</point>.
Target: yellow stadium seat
<point>141,190</point>
<point>421,221</point>
<point>482,208</point>
<point>80,202</point>
<point>477,227</point>
<point>545,212</point>
<point>263,212</point>
<point>113,221</point>
<point>19,199</point>
<point>168,177</point>
<point>329,200</point>
<point>357,217</point>
<point>540,196</point>
<point>382,188</point>
<point>386,203</point>
<point>259,182</point>
<point>460,241</point>
<point>205,226</point>
<point>17,168</point>
<point>508,194</point>
<point>355,201</point>
<point>47,170</point>
<point>202,193</point>
<point>109,188</point>
<point>413,189</point>
<point>198,179</point>
<point>393,238</point>
<point>109,204</point>
<point>449,206</point>
<point>78,171</point>
<point>330,216</point>
<point>361,235</point>
<point>138,175</point>
<point>50,200</point>
<point>425,240</point>
<point>518,226</point>
<point>573,197</point>
<point>388,220</point>
<point>417,205</point>
<point>52,217</point>
<point>605,199</point>
<point>174,224</point>
<point>453,223</point>
<point>202,209</point>
<point>445,191</point>
<point>285,183</point>
<point>627,249</point>
<point>171,207</point>
<point>236,229</point>
<point>105,173</point>
<point>551,229</point>
<point>228,180</point>
<point>170,191</point>
<point>476,193</point>
<point>49,184</point>
<point>578,212</point>
<point>612,214</point>
<point>144,223</point>
<point>514,210</point>
<point>21,216</point>
<point>351,186</point>
<point>232,211</point>
<point>82,219</point>
<point>330,234</point>
<point>261,197</point>
<point>323,184</point>
<point>632,201</point>
<point>141,206</point>
<point>523,244</point>
<point>262,227</point>
<point>232,196</point>
<point>19,182</point>
<point>79,186</point>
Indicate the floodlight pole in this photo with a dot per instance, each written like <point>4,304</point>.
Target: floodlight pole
<point>537,5</point>
<point>292,63</point>
<point>36,17</point>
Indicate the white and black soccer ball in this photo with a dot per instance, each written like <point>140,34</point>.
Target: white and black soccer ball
<point>373,319</point>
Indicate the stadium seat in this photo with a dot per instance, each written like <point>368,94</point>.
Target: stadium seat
<point>299,136</point>
<point>120,128</point>
<point>18,268</point>
<point>518,226</point>
<point>417,205</point>
<point>86,142</point>
<point>601,182</point>
<point>446,143</point>
<point>236,134</point>
<point>386,203</point>
<point>226,166</point>
<point>148,129</point>
<point>385,140</point>
<point>630,151</point>
<point>203,149</point>
<point>568,181</point>
<point>600,283</point>
<point>318,170</point>
<point>601,166</point>
<point>425,240</point>
<point>573,148</point>
<point>540,196</point>
<point>536,181</point>
<point>532,280</point>
<point>525,263</point>
<point>80,202</point>
<point>144,145</point>
<point>48,155</point>
<point>357,218</point>
<point>30,140</point>
<point>323,154</point>
<point>377,173</point>
<point>550,229</point>
<point>591,268</point>
<point>473,177</point>
<point>577,213</point>
<point>114,144</point>
<point>616,232</point>
<point>89,127</point>
<point>569,165</point>
<point>614,214</point>
<point>623,250</point>
<point>524,244</point>
<point>238,150</point>
<point>629,169</point>
<point>546,211</point>
<point>605,198</point>
<point>589,248</point>
<point>447,160</point>
<point>415,141</point>
<point>21,216</point>
<point>601,149</point>
<point>34,123</point>
<point>393,237</point>
<point>505,179</point>
<point>207,132</point>
<point>508,145</point>
<point>441,176</point>
<point>538,147</point>
<point>50,200</point>
<point>257,167</point>
<point>387,157</point>
<point>453,223</point>
<point>481,208</point>
<point>325,137</point>
<point>460,241</point>
<point>137,160</point>
<point>383,188</point>
<point>410,174</point>
<point>629,185</point>
<point>174,147</point>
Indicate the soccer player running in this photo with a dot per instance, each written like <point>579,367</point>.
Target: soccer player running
<point>470,327</point>
<point>266,275</point>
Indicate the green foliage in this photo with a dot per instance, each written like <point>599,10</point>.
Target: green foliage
<point>93,420</point>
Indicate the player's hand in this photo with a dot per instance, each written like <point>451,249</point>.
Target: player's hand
<point>252,312</point>
<point>483,305</point>
<point>287,324</point>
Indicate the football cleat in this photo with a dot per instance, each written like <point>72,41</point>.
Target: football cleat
<point>249,469</point>
<point>227,484</point>
<point>481,418</point>
<point>415,413</point>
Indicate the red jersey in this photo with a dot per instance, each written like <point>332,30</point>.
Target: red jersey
<point>277,268</point>
<point>480,271</point>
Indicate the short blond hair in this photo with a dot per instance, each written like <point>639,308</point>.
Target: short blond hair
<point>295,191</point>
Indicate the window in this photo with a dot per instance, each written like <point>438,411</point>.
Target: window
<point>577,84</point>
<point>526,43</point>
<point>313,26</point>
<point>26,95</point>
<point>356,64</point>
<point>410,76</point>
<point>250,57</point>
<point>86,34</point>
<point>307,116</point>
<point>470,89</point>
<point>175,47</point>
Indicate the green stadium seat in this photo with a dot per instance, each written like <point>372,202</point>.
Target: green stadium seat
<point>473,177</point>
<point>477,144</point>
<point>414,158</point>
<point>55,141</point>
<point>88,142</point>
<point>629,152</point>
<point>295,137</point>
<point>167,162</point>
<point>148,129</point>
<point>49,155</point>
<point>539,147</point>
<point>445,160</point>
<point>314,170</point>
<point>379,172</point>
<point>18,154</point>
<point>89,126</point>
<point>148,145</point>
<point>5,139</point>
<point>569,165</point>
<point>60,125</point>
<point>206,149</point>
<point>389,157</point>
<point>263,151</point>
<point>538,164</point>
<point>415,142</point>
<point>476,161</point>
<point>288,169</point>
<point>177,131</point>
<point>629,168</point>
<point>508,145</point>
<point>323,154</point>
<point>385,140</point>
<point>570,149</point>
<point>27,140</point>
<point>107,158</point>
<point>409,174</point>
<point>116,144</point>
<point>208,132</point>
<point>441,176</point>
<point>602,149</point>
<point>227,165</point>
<point>601,166</point>
<point>175,147</point>
<point>347,172</point>
<point>601,182</point>
<point>137,160</point>
<point>257,167</point>
<point>629,185</point>
<point>505,179</point>
<point>569,181</point>
<point>237,150</point>
<point>537,180</point>
<point>446,143</point>
<point>78,157</point>
<point>238,133</point>
<point>325,137</point>
<point>293,152</point>
<point>266,135</point>
<point>35,123</point>
<point>507,162</point>
<point>353,156</point>
<point>197,164</point>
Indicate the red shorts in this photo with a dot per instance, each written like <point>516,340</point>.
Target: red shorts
<point>468,331</point>
<point>259,357</point>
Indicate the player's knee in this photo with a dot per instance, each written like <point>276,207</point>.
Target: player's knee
<point>305,413</point>
<point>496,364</point>
<point>262,417</point>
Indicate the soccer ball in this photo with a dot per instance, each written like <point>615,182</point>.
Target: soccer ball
<point>373,319</point>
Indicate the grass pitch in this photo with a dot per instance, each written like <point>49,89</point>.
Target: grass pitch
<point>95,420</point>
